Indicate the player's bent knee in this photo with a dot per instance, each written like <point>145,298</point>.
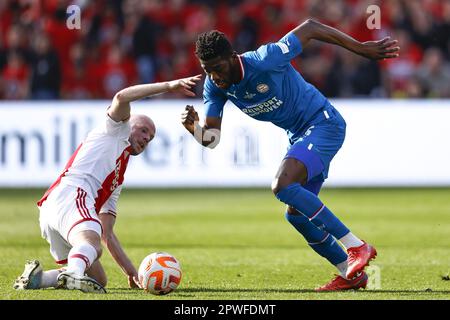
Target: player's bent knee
<point>290,171</point>
<point>274,186</point>
<point>279,184</point>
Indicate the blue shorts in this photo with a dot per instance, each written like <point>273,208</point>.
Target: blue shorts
<point>316,146</point>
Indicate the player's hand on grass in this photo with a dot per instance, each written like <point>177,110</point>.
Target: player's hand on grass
<point>381,49</point>
<point>184,85</point>
<point>189,117</point>
<point>133,281</point>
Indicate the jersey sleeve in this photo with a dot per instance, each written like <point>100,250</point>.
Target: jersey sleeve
<point>110,206</point>
<point>275,56</point>
<point>120,130</point>
<point>213,99</point>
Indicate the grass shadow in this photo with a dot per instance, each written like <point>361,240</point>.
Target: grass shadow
<point>293,291</point>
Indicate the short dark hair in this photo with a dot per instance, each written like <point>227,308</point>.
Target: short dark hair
<point>212,44</point>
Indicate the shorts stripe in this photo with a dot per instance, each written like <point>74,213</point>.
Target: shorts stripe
<point>112,213</point>
<point>77,200</point>
<point>80,221</point>
<point>83,203</point>
<point>81,206</point>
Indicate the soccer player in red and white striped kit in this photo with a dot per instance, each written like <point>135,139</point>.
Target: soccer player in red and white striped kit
<point>78,211</point>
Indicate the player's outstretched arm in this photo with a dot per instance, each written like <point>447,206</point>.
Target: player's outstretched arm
<point>120,106</point>
<point>381,49</point>
<point>207,135</point>
<point>111,242</point>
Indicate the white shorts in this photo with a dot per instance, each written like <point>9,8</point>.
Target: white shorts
<point>67,211</point>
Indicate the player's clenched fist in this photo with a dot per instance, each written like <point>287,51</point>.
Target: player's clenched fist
<point>189,117</point>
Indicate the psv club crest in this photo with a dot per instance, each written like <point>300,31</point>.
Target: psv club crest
<point>262,88</point>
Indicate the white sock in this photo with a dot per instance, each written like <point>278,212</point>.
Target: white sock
<point>342,267</point>
<point>81,258</point>
<point>48,279</point>
<point>350,241</point>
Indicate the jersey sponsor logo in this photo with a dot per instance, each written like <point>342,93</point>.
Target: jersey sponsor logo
<point>262,88</point>
<point>115,182</point>
<point>265,107</point>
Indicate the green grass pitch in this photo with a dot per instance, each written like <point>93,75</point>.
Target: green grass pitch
<point>236,244</point>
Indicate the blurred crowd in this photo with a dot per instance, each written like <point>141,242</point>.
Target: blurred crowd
<point>125,42</point>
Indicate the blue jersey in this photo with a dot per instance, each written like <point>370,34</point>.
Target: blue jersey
<point>271,89</point>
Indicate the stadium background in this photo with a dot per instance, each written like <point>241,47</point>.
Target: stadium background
<point>53,80</point>
<point>124,42</point>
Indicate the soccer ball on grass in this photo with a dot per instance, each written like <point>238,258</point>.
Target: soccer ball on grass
<point>159,273</point>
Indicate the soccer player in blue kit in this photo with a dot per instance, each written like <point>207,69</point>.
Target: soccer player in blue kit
<point>264,85</point>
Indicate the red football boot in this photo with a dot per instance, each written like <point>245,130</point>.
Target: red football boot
<point>341,284</point>
<point>359,258</point>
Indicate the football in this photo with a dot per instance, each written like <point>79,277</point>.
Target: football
<point>159,273</point>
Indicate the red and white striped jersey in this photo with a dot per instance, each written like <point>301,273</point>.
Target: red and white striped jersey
<point>98,165</point>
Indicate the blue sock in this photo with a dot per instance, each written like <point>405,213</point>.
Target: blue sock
<point>310,205</point>
<point>319,240</point>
